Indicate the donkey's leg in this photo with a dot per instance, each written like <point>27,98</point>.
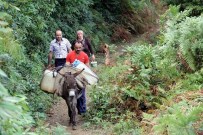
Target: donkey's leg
<point>70,114</point>
<point>72,101</point>
<point>74,104</point>
<point>69,111</point>
<point>73,108</point>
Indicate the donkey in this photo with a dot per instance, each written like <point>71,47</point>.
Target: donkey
<point>70,94</point>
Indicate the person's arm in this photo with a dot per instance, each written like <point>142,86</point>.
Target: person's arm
<point>69,50</point>
<point>49,59</point>
<point>93,57</point>
<point>68,60</point>
<point>86,62</point>
<point>90,49</point>
<point>73,44</point>
<point>68,45</point>
<point>50,55</point>
<point>67,63</point>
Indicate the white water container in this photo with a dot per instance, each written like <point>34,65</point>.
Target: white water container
<point>48,81</point>
<point>94,63</point>
<point>89,75</point>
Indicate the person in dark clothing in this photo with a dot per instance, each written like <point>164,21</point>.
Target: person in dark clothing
<point>87,48</point>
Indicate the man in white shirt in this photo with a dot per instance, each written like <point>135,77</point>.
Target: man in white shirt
<point>60,47</point>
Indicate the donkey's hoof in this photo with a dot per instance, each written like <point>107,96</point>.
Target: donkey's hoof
<point>74,127</point>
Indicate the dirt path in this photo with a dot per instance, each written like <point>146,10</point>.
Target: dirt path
<point>59,114</point>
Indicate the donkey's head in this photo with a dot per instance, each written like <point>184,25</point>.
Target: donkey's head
<point>69,80</point>
<point>70,84</point>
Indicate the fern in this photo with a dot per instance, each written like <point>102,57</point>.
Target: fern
<point>185,35</point>
<point>179,119</point>
<point>190,39</point>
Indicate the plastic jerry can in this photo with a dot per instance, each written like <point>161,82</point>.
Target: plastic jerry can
<point>48,80</point>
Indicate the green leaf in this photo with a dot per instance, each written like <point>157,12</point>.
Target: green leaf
<point>4,114</point>
<point>11,99</point>
<point>3,23</point>
<point>10,106</point>
<point>3,90</point>
<point>14,7</point>
<point>5,30</point>
<point>2,73</point>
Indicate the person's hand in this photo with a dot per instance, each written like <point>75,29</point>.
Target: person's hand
<point>68,64</point>
<point>49,66</point>
<point>93,57</point>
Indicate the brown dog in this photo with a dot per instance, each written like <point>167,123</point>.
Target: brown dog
<point>106,52</point>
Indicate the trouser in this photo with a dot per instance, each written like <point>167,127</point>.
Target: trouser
<point>60,62</point>
<point>81,103</point>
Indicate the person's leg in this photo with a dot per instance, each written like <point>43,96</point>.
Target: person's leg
<point>81,103</point>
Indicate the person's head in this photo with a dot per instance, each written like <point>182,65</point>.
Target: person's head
<point>58,35</point>
<point>78,47</point>
<point>80,35</point>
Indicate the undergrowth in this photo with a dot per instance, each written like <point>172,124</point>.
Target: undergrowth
<point>156,92</point>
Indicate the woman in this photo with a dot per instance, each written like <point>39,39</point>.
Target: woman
<point>87,48</point>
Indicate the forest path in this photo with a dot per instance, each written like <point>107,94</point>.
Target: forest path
<point>59,114</point>
<point>59,111</point>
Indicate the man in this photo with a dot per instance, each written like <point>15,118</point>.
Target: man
<point>86,46</point>
<point>82,57</point>
<point>59,47</point>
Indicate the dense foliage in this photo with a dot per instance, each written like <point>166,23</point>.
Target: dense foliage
<point>26,29</point>
<point>161,85</point>
<point>194,5</point>
<point>34,24</point>
<point>14,114</point>
<point>153,78</point>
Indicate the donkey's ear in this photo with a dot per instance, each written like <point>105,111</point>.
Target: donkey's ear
<point>78,72</point>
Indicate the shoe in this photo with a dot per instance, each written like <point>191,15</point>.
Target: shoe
<point>74,127</point>
<point>81,113</point>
